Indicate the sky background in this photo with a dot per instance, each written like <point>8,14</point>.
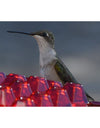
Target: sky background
<point>77,44</point>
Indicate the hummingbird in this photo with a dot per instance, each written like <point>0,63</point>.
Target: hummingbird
<point>51,66</point>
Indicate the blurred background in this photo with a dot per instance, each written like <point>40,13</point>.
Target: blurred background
<point>77,44</point>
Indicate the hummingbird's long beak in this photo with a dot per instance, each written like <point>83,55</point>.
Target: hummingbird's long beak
<point>31,34</point>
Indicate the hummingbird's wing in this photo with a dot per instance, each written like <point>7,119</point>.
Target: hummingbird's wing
<point>64,74</point>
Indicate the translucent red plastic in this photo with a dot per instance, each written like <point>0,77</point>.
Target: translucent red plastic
<point>17,91</point>
<point>38,84</point>
<point>59,97</point>
<point>76,94</point>
<point>7,97</point>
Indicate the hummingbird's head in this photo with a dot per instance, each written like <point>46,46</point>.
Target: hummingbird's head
<point>43,38</point>
<point>46,36</point>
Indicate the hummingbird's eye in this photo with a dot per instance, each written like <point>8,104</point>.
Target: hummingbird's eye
<point>45,34</point>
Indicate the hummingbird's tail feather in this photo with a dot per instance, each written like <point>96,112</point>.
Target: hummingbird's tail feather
<point>89,97</point>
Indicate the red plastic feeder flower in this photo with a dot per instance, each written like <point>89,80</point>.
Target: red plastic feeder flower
<point>18,91</point>
<point>76,94</point>
<point>38,84</point>
<point>7,96</point>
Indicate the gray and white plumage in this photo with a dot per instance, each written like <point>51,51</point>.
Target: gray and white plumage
<point>51,66</point>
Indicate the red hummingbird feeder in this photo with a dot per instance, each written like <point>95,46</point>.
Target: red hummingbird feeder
<point>17,90</point>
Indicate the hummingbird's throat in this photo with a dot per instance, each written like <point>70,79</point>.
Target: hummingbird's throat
<point>42,43</point>
<point>47,53</point>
